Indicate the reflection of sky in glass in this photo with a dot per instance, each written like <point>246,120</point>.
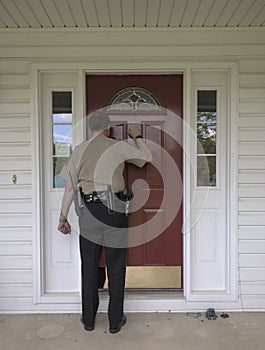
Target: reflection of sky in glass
<point>62,118</point>
<point>62,133</point>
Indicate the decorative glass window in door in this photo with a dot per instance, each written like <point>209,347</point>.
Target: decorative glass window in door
<point>206,137</point>
<point>62,119</point>
<point>134,99</point>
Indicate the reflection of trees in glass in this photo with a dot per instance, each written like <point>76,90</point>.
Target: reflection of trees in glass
<point>61,149</point>
<point>206,145</point>
<point>58,163</point>
<point>206,137</point>
<point>206,117</point>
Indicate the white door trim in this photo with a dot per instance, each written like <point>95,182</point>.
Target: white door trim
<point>113,68</point>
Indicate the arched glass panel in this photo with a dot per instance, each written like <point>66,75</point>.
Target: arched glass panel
<point>134,99</point>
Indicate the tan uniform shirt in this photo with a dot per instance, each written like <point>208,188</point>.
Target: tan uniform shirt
<point>99,162</point>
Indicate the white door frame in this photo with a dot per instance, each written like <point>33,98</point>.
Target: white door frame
<point>149,303</point>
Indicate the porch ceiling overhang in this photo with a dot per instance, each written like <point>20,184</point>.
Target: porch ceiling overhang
<point>132,13</point>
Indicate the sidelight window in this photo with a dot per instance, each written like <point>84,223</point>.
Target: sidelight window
<point>62,119</point>
<point>206,137</point>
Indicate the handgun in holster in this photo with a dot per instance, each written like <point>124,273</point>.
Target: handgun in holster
<point>110,200</point>
<point>126,197</point>
<point>78,197</point>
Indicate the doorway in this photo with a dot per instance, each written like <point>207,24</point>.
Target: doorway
<point>155,104</point>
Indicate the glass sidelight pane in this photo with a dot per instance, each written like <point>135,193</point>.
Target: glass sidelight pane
<point>206,101</point>
<point>61,133</point>
<point>206,171</point>
<point>62,117</point>
<point>206,137</point>
<point>62,102</point>
<point>206,117</point>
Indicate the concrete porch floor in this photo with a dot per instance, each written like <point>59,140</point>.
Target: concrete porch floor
<point>167,331</point>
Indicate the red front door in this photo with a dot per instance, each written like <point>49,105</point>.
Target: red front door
<point>164,249</point>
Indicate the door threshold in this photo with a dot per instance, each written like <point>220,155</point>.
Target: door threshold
<point>152,278</point>
<point>148,294</point>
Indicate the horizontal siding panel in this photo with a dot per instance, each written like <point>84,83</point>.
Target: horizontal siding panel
<point>15,262</point>
<point>252,162</point>
<point>15,149</point>
<point>251,177</point>
<point>248,247</point>
<point>252,149</point>
<point>252,190</point>
<point>23,177</point>
<point>15,163</point>
<point>15,135</point>
<point>252,121</point>
<point>15,220</point>
<point>15,107</point>
<point>252,79</point>
<point>252,260</point>
<point>253,288</point>
<point>14,80</point>
<point>252,106</point>
<point>15,191</point>
<point>10,234</point>
<point>144,50</point>
<point>14,94</point>
<point>16,290</point>
<point>15,205</point>
<point>15,276</point>
<point>253,302</point>
<point>15,66</point>
<point>14,121</point>
<point>252,66</point>
<point>251,232</point>
<point>17,304</point>
<point>255,219</point>
<point>252,274</point>
<point>15,248</point>
<point>252,134</point>
<point>252,93</point>
<point>251,204</point>
<point>231,38</point>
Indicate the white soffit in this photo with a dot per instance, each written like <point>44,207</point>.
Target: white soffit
<point>132,13</point>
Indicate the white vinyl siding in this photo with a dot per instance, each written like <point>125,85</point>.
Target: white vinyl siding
<point>15,199</point>
<point>252,184</point>
<point>135,51</point>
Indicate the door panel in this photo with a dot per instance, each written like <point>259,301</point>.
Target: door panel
<point>166,248</point>
<point>60,254</point>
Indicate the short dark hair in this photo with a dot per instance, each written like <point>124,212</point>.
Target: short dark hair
<point>98,121</point>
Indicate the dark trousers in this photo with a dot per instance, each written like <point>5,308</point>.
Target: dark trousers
<point>116,269</point>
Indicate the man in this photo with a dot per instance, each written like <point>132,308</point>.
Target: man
<point>97,166</point>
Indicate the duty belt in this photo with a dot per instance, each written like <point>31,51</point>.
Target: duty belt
<point>97,197</point>
<point>108,196</point>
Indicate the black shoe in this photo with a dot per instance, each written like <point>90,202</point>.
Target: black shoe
<point>87,327</point>
<point>121,324</point>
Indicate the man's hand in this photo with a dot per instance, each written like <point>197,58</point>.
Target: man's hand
<point>134,131</point>
<point>64,227</point>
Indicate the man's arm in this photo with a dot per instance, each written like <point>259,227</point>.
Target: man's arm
<point>64,226</point>
<point>135,133</point>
